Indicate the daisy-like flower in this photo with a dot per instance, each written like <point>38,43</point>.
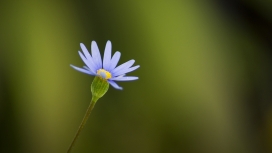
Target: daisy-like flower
<point>106,69</point>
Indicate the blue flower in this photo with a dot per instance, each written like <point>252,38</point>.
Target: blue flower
<point>106,70</point>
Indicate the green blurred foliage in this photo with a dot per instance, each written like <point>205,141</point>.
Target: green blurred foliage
<point>197,77</point>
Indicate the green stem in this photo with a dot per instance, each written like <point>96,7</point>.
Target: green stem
<point>87,114</point>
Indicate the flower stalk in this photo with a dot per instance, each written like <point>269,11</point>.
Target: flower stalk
<point>99,87</point>
<point>87,114</point>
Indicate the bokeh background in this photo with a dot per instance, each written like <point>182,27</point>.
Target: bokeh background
<point>205,77</point>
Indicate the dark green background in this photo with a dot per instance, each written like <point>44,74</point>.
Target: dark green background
<point>205,77</point>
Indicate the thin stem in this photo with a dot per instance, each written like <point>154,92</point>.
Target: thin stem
<point>87,114</point>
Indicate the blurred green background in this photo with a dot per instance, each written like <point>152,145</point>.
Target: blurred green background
<point>205,77</point>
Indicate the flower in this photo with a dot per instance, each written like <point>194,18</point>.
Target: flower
<point>106,70</point>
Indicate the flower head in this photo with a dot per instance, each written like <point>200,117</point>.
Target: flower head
<point>107,69</point>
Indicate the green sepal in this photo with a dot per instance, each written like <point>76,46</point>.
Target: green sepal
<point>99,87</point>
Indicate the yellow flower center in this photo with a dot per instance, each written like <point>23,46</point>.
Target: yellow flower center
<point>104,74</point>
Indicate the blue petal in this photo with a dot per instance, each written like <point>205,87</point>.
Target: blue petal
<point>124,71</point>
<point>114,60</point>
<point>82,70</point>
<point>87,68</point>
<point>115,85</point>
<point>96,55</point>
<point>90,64</point>
<point>86,52</point>
<point>88,57</point>
<point>107,56</point>
<point>128,78</point>
<point>124,66</point>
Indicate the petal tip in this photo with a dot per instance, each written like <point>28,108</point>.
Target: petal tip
<point>120,88</point>
<point>82,45</point>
